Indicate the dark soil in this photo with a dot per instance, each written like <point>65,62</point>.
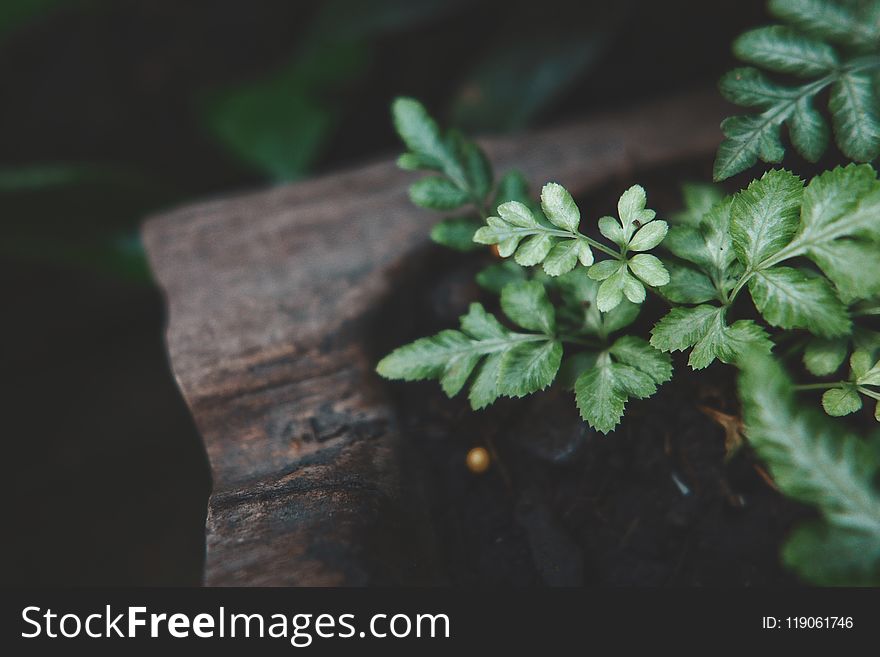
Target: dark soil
<point>656,503</point>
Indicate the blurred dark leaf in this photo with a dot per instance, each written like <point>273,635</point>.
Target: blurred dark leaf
<point>46,177</point>
<point>535,58</point>
<point>84,215</point>
<point>457,233</point>
<point>278,125</point>
<point>120,257</point>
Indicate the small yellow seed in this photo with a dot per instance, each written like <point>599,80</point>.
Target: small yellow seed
<point>478,460</point>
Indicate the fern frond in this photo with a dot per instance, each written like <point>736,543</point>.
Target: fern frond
<point>833,46</point>
<point>813,461</point>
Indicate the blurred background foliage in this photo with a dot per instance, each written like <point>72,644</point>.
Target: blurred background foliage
<point>116,109</point>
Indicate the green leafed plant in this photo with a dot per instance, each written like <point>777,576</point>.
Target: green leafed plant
<point>845,397</point>
<point>461,177</point>
<point>804,254</point>
<point>813,460</point>
<point>508,362</point>
<point>785,266</point>
<point>821,49</point>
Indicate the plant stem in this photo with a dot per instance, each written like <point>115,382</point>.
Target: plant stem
<point>601,247</point>
<point>719,288</point>
<point>865,309</point>
<point>739,285</point>
<point>868,392</point>
<point>819,386</point>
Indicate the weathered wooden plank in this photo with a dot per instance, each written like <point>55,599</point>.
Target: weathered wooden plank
<point>268,294</point>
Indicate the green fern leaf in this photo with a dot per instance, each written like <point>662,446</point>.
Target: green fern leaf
<point>795,298</point>
<point>631,368</point>
<point>456,233</point>
<point>508,363</point>
<point>813,461</point>
<point>783,50</point>
<point>705,329</point>
<point>823,356</point>
<point>764,217</point>
<point>804,48</point>
<point>853,106</point>
<point>827,19</point>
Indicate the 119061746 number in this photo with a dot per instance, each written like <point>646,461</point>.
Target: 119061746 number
<point>807,623</point>
<point>818,622</point>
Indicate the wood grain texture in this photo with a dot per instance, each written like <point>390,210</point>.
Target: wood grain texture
<point>269,296</point>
